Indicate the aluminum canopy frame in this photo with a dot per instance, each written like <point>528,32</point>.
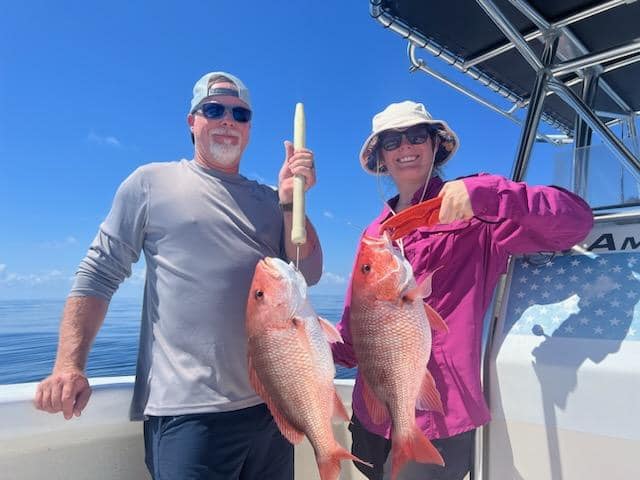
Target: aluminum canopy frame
<point>547,56</point>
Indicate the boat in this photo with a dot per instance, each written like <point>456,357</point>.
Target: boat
<point>561,361</point>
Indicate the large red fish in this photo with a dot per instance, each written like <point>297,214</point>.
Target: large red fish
<point>290,362</point>
<point>391,332</point>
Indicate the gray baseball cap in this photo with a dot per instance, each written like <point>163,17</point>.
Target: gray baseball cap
<point>204,89</point>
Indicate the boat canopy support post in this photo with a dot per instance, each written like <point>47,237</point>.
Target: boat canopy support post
<point>616,145</point>
<point>534,112</point>
<point>635,142</point>
<point>633,133</point>
<point>581,154</point>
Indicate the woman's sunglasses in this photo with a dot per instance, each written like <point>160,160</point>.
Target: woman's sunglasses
<point>415,135</point>
<point>214,111</point>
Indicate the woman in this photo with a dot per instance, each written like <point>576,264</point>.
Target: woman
<point>483,220</point>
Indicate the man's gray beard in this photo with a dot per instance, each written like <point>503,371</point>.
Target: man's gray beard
<point>225,154</point>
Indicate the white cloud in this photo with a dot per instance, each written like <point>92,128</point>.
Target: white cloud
<point>60,243</point>
<point>257,177</point>
<point>330,283</point>
<point>260,179</point>
<point>31,279</point>
<point>108,140</point>
<point>2,267</point>
<point>331,216</point>
<point>332,278</point>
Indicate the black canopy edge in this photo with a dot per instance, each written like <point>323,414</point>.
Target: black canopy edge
<point>489,73</point>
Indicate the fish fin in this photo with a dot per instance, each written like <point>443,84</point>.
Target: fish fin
<point>436,322</point>
<point>339,411</point>
<point>377,410</point>
<point>423,289</point>
<point>412,294</point>
<point>429,397</point>
<point>414,447</point>
<point>255,381</point>
<point>288,431</point>
<point>329,465</point>
<point>330,332</point>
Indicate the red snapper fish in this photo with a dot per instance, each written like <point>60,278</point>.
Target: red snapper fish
<point>391,331</point>
<point>290,362</point>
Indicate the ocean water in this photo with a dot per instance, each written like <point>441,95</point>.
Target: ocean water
<point>29,336</point>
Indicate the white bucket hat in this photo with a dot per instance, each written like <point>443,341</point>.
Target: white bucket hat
<point>400,116</point>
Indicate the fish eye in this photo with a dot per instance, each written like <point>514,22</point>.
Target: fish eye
<point>366,268</point>
<point>258,294</point>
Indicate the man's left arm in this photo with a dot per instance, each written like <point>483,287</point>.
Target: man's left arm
<point>299,162</point>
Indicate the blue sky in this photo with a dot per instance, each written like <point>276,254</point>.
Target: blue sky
<point>91,90</point>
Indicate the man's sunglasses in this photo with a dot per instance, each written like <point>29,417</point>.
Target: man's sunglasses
<point>214,111</point>
<point>415,135</point>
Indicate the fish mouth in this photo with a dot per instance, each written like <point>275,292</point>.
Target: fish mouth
<point>289,281</point>
<point>270,267</point>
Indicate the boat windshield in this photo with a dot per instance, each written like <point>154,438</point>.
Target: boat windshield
<point>610,181</point>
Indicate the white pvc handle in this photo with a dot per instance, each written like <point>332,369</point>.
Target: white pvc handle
<point>298,229</point>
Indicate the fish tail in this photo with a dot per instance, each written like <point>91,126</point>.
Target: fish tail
<point>329,466</point>
<point>414,447</point>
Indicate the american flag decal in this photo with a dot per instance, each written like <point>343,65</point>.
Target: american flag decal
<point>576,296</point>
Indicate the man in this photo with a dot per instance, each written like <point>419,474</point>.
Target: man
<point>202,227</point>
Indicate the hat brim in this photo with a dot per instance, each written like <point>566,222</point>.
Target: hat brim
<point>449,144</point>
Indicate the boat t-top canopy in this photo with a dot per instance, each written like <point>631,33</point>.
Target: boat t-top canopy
<point>574,63</point>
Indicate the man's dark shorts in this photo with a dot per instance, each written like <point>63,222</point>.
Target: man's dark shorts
<point>243,444</point>
<point>457,452</point>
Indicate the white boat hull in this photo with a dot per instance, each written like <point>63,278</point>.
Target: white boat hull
<point>103,443</point>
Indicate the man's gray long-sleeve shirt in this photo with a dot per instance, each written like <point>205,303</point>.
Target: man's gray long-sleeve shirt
<point>202,233</point>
